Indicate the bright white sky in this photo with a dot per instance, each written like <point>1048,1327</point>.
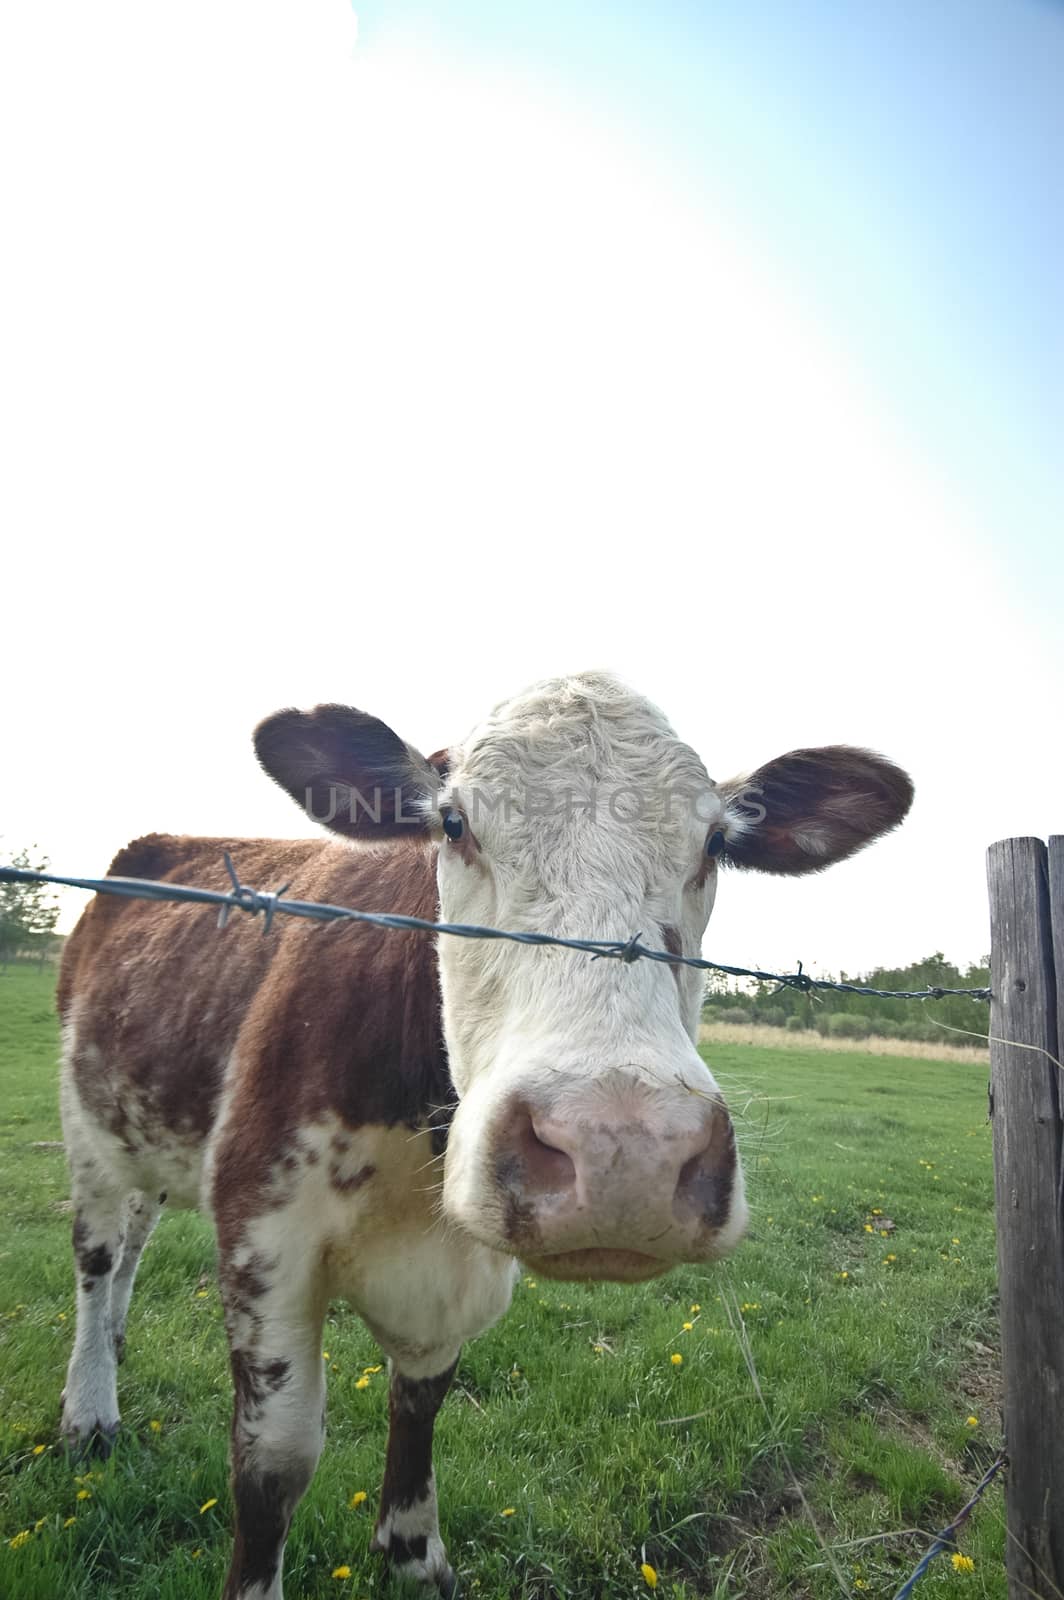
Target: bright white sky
<point>394,375</point>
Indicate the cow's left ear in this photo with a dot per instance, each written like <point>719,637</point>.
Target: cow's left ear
<point>806,810</point>
<point>349,771</point>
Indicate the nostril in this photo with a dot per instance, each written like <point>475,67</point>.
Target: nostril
<point>531,1164</point>
<point>704,1188</point>
<point>545,1165</point>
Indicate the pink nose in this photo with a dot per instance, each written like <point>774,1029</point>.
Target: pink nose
<point>608,1173</point>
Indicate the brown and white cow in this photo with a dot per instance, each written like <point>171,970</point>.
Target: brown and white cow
<point>351,1135</point>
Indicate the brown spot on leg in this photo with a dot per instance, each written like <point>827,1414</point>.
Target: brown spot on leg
<point>407,1531</point>
<point>264,1504</point>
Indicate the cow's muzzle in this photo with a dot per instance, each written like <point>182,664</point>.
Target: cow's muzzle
<point>610,1185</point>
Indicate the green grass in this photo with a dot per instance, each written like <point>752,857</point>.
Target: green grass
<point>566,1412</point>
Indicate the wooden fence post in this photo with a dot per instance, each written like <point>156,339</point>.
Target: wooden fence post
<point>1026,883</point>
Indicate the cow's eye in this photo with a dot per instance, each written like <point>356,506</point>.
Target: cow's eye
<point>715,844</point>
<point>453,826</point>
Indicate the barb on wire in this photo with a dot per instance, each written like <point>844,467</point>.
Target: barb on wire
<point>243,898</point>
<point>948,1536</point>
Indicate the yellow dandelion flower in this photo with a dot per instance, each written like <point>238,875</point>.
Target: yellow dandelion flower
<point>362,1383</point>
<point>887,1259</point>
<point>201,1294</point>
<point>206,1506</point>
<point>372,1369</point>
<point>357,1498</point>
<point>70,1521</point>
<point>687,1327</point>
<point>19,1540</point>
<point>962,1563</point>
<point>598,1349</point>
<point>532,1284</point>
<point>84,1494</point>
<point>507,1511</point>
<point>973,1422</point>
<point>844,1275</point>
<point>197,1553</point>
<point>39,1524</point>
<point>341,1572</point>
<point>650,1577</point>
<point>39,1449</point>
<point>868,1228</point>
<point>325,1355</point>
<point>695,1307</point>
<point>155,1425</point>
<point>676,1358</point>
<point>876,1212</point>
<point>860,1583</point>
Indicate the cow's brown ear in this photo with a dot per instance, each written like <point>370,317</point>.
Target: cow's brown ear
<point>811,808</point>
<point>348,771</point>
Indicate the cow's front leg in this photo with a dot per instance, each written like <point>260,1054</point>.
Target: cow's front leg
<point>407,1530</point>
<point>274,1317</point>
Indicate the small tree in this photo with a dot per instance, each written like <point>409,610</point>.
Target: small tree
<point>28,911</point>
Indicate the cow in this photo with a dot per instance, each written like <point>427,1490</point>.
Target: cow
<point>398,1119</point>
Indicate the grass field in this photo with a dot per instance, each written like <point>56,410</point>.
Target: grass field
<point>574,1447</point>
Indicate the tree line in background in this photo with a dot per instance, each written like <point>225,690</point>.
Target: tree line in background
<point>28,913</point>
<point>851,1016</point>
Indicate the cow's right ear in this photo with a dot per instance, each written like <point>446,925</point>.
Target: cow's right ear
<point>349,771</point>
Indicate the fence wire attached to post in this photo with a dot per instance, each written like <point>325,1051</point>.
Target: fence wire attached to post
<point>244,898</point>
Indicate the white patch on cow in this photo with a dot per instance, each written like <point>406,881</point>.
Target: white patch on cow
<point>149,1157</point>
<point>419,1520</point>
<point>263,1591</point>
<point>421,1287</point>
<point>556,856</point>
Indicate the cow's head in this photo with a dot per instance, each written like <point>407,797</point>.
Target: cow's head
<point>590,1139</point>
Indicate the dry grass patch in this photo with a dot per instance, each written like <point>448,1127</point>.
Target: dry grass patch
<point>766,1038</point>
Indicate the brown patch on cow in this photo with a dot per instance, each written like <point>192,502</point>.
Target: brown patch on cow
<point>347,1183</point>
<point>264,1504</point>
<point>353,1033</point>
<point>310,1021</point>
<point>254,1381</point>
<point>412,1407</point>
<point>670,938</point>
<point>243,1287</point>
<point>95,1262</point>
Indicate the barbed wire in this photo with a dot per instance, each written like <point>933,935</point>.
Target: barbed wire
<point>948,1537</point>
<point>253,901</point>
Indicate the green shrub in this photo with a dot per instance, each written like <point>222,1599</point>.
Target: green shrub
<point>848,1025</point>
<point>796,1025</point>
<point>736,1014</point>
<point>772,1016</point>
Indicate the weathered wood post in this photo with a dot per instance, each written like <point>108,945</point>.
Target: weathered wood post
<point>1026,883</point>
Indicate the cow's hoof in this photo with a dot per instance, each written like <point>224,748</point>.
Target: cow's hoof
<point>94,1442</point>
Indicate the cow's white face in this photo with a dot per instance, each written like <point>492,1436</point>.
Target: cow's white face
<point>590,1138</point>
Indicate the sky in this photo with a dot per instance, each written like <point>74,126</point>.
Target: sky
<point>404,355</point>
